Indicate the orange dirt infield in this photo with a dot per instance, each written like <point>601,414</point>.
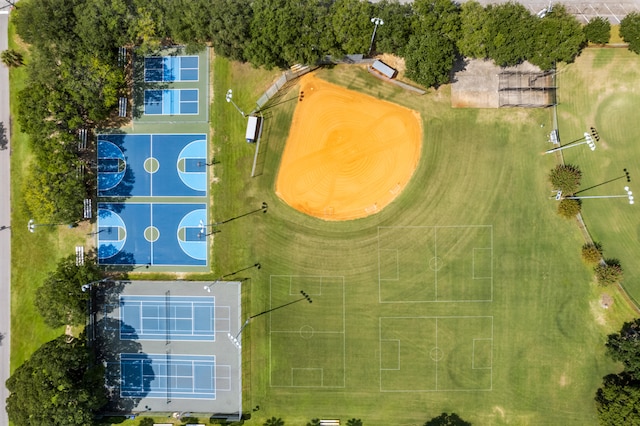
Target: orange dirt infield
<point>348,155</point>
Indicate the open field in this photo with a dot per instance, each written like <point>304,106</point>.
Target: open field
<point>515,332</point>
<point>602,90</point>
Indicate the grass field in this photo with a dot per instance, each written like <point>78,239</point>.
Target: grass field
<point>602,90</point>
<point>501,326</point>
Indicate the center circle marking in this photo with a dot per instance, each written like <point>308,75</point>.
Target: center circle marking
<point>306,332</point>
<point>435,264</point>
<point>151,234</point>
<point>436,354</point>
<point>151,165</point>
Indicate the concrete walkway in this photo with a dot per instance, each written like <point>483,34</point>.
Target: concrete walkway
<point>5,222</point>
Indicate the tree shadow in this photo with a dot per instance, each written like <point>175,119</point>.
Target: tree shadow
<point>459,65</point>
<point>1,338</point>
<point>109,348</point>
<point>139,85</point>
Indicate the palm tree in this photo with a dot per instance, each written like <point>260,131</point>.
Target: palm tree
<point>354,422</point>
<point>273,421</point>
<point>314,422</point>
<point>11,58</point>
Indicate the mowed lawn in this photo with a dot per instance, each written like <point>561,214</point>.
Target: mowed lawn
<point>602,89</point>
<point>523,347</point>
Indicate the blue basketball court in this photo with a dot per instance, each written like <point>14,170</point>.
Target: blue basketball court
<point>152,234</point>
<point>130,164</point>
<point>167,376</point>
<point>170,68</point>
<point>171,101</point>
<point>168,318</point>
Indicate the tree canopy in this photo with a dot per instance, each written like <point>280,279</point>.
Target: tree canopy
<point>59,385</point>
<point>60,300</point>
<point>598,30</point>
<point>446,419</point>
<point>630,31</point>
<point>609,273</point>
<point>565,178</point>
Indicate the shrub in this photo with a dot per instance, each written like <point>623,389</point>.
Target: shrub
<point>608,273</point>
<point>146,421</point>
<point>592,253</point>
<point>566,178</point>
<point>569,208</point>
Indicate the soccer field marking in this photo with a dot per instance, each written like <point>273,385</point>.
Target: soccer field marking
<point>435,264</point>
<point>395,259</point>
<point>299,370</point>
<point>437,355</point>
<point>306,332</point>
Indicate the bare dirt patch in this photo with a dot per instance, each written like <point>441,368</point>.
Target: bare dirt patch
<point>348,155</point>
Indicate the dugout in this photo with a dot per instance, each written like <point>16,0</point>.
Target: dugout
<point>253,129</point>
<point>384,69</point>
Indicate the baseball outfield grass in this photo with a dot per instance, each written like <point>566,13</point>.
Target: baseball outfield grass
<point>465,294</point>
<point>601,90</point>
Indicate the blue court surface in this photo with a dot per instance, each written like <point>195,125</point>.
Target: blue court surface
<point>170,68</point>
<point>171,101</point>
<point>130,165</point>
<point>152,234</point>
<point>167,376</point>
<point>167,318</point>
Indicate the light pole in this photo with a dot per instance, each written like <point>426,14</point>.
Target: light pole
<point>208,287</point>
<point>628,195</point>
<point>376,22</point>
<point>229,98</point>
<point>588,139</point>
<point>235,339</point>
<point>624,176</point>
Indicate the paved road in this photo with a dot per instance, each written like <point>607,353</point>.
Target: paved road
<point>5,233</point>
<point>585,11</point>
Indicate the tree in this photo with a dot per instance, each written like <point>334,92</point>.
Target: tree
<point>569,208</point>
<point>624,347</point>
<point>314,422</point>
<point>558,37</point>
<point>60,300</point>
<point>12,58</point>
<point>59,385</point>
<point>229,28</point>
<point>429,58</point>
<point>47,22</point>
<point>618,400</point>
<point>354,422</point>
<point>146,421</point>
<point>630,31</point>
<point>398,17</point>
<point>565,178</point>
<point>609,273</point>
<point>592,253</point>
<point>598,30</point>
<point>274,421</point>
<point>473,31</point>
<point>351,25</point>
<point>510,29</point>
<point>446,419</point>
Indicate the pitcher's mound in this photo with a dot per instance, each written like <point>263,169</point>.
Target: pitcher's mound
<point>348,155</point>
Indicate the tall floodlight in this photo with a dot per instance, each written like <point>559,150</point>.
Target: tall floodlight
<point>229,98</point>
<point>376,22</point>
<point>587,139</point>
<point>628,195</point>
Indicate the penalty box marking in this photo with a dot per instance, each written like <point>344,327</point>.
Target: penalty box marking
<point>483,341</point>
<point>315,292</point>
<point>392,256</point>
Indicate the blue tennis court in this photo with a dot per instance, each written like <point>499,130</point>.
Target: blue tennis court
<point>130,165</point>
<point>167,318</point>
<point>167,376</point>
<point>171,102</point>
<point>170,68</point>
<point>151,234</point>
